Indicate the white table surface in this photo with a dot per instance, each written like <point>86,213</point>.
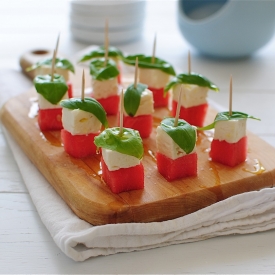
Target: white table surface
<point>25,244</point>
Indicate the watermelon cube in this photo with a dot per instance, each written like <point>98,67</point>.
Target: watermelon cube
<point>110,104</point>
<point>160,99</point>
<point>79,146</point>
<point>70,89</point>
<point>123,179</point>
<point>230,154</point>
<point>142,123</point>
<point>50,119</point>
<point>173,169</point>
<point>193,115</point>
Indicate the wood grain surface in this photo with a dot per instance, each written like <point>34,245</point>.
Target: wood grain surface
<point>79,183</point>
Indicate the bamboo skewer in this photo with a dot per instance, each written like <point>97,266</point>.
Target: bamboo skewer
<point>106,42</point>
<point>53,65</point>
<point>121,113</point>
<point>57,43</point>
<point>178,109</point>
<point>154,49</point>
<point>189,62</point>
<point>83,86</point>
<point>230,96</point>
<point>136,73</point>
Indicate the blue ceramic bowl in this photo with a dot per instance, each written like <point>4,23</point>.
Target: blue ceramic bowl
<point>227,28</point>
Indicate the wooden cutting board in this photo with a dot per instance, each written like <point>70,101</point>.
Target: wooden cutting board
<point>78,181</point>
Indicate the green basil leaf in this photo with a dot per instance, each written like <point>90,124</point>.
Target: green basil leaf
<point>192,78</point>
<point>184,135</point>
<point>90,105</point>
<point>129,143</point>
<point>223,116</point>
<point>53,91</point>
<point>100,72</point>
<point>146,62</point>
<point>59,63</point>
<point>132,98</point>
<point>100,52</point>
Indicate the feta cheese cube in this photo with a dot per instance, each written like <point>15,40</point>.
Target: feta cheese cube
<point>79,122</point>
<point>115,160</point>
<point>43,70</point>
<point>43,103</point>
<point>192,95</point>
<point>167,147</point>
<point>230,130</point>
<point>104,88</point>
<point>153,78</point>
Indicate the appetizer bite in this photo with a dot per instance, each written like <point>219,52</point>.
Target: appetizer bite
<point>193,104</point>
<point>229,144</point>
<point>105,87</point>
<point>51,89</point>
<point>138,108</point>
<point>122,152</point>
<point>113,54</point>
<point>176,148</point>
<point>155,73</point>
<point>82,120</point>
<point>62,67</point>
<point>105,51</point>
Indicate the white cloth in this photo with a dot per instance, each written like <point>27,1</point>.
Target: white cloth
<point>246,213</point>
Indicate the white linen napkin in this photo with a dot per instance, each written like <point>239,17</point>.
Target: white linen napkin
<point>242,214</point>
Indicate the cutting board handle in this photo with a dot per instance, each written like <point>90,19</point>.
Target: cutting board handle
<point>31,57</point>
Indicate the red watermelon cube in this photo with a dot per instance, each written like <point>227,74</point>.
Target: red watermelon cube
<point>110,104</point>
<point>178,168</point>
<point>143,124</point>
<point>193,115</point>
<point>50,119</point>
<point>230,154</point>
<point>160,99</point>
<point>123,179</point>
<point>79,146</point>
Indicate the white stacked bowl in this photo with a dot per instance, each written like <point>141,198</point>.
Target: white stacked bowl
<point>125,20</point>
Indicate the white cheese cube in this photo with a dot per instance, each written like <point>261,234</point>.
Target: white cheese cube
<point>153,77</point>
<point>79,122</point>
<point>231,130</point>
<point>146,106</point>
<point>45,104</point>
<point>191,95</point>
<point>115,160</point>
<point>43,70</point>
<point>167,147</point>
<point>104,88</point>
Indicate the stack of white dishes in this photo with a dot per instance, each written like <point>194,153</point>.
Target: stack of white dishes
<point>125,20</point>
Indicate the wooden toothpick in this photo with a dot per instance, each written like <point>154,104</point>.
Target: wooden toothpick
<point>121,113</point>
<point>230,96</point>
<point>53,64</point>
<point>57,43</point>
<point>136,73</point>
<point>154,49</point>
<point>83,86</point>
<point>178,108</point>
<point>106,42</point>
<point>189,62</point>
